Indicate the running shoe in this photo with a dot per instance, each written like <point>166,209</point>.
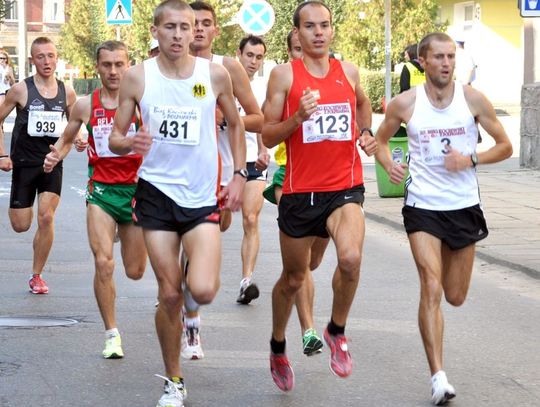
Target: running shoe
<point>441,390</point>
<point>38,285</point>
<point>311,342</point>
<point>191,344</point>
<point>340,358</point>
<point>113,348</point>
<point>174,392</point>
<point>282,371</point>
<point>248,291</point>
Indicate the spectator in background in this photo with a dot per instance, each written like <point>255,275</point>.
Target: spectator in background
<point>154,48</point>
<point>412,73</point>
<point>7,79</point>
<point>465,67</point>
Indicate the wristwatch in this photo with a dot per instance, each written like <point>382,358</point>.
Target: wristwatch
<point>368,130</point>
<point>474,159</point>
<point>242,172</point>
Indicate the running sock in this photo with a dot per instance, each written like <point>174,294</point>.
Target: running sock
<point>111,333</point>
<point>334,329</point>
<point>194,322</point>
<point>277,347</point>
<point>189,303</point>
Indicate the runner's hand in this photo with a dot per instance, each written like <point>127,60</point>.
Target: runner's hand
<point>51,159</point>
<point>80,144</point>
<point>142,141</point>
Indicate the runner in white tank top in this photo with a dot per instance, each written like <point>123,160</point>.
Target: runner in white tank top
<point>176,93</point>
<point>442,215</point>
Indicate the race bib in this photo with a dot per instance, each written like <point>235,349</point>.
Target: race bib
<point>101,134</point>
<point>42,123</point>
<point>330,122</point>
<point>175,125</point>
<point>434,143</point>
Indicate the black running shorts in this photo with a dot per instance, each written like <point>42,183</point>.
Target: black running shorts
<point>457,228</point>
<point>305,214</point>
<point>154,210</point>
<point>27,181</point>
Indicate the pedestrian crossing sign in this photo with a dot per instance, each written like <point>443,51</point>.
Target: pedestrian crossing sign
<point>118,11</point>
<point>529,8</point>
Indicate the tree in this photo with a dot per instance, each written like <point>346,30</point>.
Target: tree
<point>84,31</point>
<point>363,42</point>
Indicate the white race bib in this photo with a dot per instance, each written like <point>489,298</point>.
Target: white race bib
<point>42,123</point>
<point>101,134</point>
<point>175,125</point>
<point>330,122</point>
<point>434,143</point>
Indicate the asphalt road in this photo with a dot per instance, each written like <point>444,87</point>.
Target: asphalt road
<point>491,348</point>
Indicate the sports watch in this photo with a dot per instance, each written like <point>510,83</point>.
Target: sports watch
<point>242,172</point>
<point>474,160</point>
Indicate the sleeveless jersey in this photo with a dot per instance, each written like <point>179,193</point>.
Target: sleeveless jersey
<point>258,87</point>
<point>224,147</point>
<point>321,154</point>
<point>107,167</point>
<point>430,185</point>
<point>4,86</point>
<point>180,114</point>
<point>37,125</point>
<point>281,154</point>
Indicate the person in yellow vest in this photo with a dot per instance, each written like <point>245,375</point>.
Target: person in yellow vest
<point>412,73</point>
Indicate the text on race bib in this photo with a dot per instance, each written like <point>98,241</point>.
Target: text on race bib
<point>101,134</point>
<point>175,125</point>
<point>330,122</point>
<point>434,143</point>
<point>43,123</point>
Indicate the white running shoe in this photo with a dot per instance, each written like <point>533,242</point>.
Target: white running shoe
<point>191,344</point>
<point>174,393</point>
<point>441,390</point>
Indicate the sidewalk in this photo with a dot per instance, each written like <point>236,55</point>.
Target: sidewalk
<point>511,202</point>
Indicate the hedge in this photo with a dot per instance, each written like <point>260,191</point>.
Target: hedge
<point>373,83</point>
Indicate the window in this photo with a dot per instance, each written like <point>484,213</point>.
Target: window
<point>464,15</point>
<point>53,11</point>
<point>11,10</point>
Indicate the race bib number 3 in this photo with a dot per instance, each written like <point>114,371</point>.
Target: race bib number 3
<point>330,122</point>
<point>101,134</point>
<point>175,125</point>
<point>41,124</point>
<point>434,143</point>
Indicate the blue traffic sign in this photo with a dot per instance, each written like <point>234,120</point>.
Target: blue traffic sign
<point>118,11</point>
<point>529,8</point>
<point>256,17</point>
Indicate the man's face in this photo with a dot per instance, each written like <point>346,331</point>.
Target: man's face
<point>44,58</point>
<point>174,32</point>
<point>315,32</point>
<point>251,58</point>
<point>296,49</point>
<point>205,30</point>
<point>111,67</point>
<point>440,62</point>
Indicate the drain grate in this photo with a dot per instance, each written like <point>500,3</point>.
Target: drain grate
<point>26,322</point>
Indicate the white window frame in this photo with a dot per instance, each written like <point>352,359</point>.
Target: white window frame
<point>459,15</point>
<point>12,14</point>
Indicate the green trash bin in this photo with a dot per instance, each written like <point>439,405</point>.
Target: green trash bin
<point>399,149</point>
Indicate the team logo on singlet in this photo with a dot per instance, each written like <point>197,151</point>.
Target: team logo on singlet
<point>199,90</point>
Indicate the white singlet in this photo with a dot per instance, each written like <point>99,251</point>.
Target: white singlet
<point>180,114</point>
<point>430,130</point>
<point>258,87</point>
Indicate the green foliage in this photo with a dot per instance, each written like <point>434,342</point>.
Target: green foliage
<point>373,83</point>
<point>85,86</point>
<point>364,43</point>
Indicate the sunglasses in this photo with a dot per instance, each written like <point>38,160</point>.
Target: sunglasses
<point>3,59</point>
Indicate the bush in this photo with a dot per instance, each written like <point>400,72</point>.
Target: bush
<point>86,86</point>
<point>373,83</point>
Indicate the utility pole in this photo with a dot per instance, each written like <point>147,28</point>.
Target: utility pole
<point>22,40</point>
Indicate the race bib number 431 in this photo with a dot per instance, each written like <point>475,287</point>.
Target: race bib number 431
<point>41,123</point>
<point>175,125</point>
<point>330,122</point>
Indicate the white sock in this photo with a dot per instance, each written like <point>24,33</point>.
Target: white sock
<point>110,333</point>
<point>440,376</point>
<point>193,322</point>
<point>245,281</point>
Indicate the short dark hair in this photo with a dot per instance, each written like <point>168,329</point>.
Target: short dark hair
<point>425,43</point>
<point>252,40</point>
<point>296,15</point>
<point>111,45</point>
<point>289,40</point>
<point>202,5</point>
<point>412,51</point>
<point>40,41</point>
<point>174,4</point>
